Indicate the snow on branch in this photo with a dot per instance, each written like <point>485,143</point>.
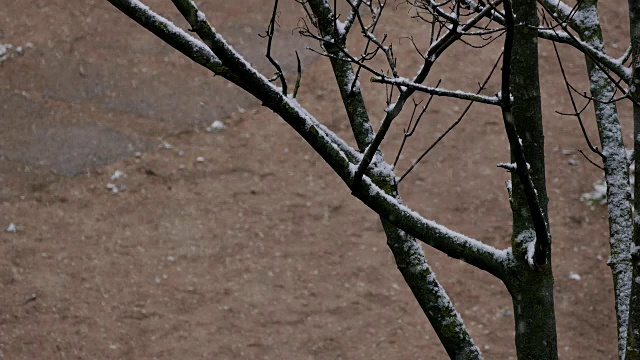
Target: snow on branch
<point>452,243</point>
<point>345,76</point>
<point>584,21</point>
<point>407,252</point>
<point>337,153</point>
<point>609,63</point>
<point>559,8</point>
<point>458,94</point>
<point>453,33</point>
<point>171,34</point>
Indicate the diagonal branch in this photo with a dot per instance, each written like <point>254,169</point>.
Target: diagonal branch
<point>408,254</point>
<point>557,8</point>
<point>614,65</point>
<point>333,150</point>
<point>393,110</point>
<point>174,36</point>
<point>575,108</point>
<point>348,83</point>
<point>453,125</point>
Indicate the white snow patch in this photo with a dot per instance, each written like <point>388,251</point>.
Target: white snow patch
<point>390,107</point>
<point>508,166</point>
<point>351,78</point>
<point>575,276</point>
<point>12,228</point>
<point>215,126</point>
<point>8,51</point>
<point>113,188</point>
<point>528,238</point>
<point>341,27</point>
<point>117,175</point>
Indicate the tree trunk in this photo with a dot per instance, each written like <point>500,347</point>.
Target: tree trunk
<point>531,289</point>
<point>633,334</point>
<point>535,324</point>
<point>616,172</point>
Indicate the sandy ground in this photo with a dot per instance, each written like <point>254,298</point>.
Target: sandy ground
<point>256,250</point>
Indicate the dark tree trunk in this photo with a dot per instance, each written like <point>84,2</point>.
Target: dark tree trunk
<point>531,289</point>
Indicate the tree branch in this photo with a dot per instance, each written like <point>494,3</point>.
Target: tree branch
<point>431,296</point>
<point>452,126</point>
<point>614,65</point>
<point>462,95</point>
<point>333,150</point>
<point>556,8</point>
<point>393,110</point>
<point>575,108</point>
<point>269,35</point>
<point>408,255</point>
<point>174,36</point>
<point>347,81</point>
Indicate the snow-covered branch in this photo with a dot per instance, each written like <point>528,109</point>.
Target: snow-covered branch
<point>328,145</point>
<point>616,66</point>
<point>458,94</point>
<point>347,78</point>
<point>431,296</point>
<point>408,254</point>
<point>584,20</point>
<point>172,35</point>
<point>435,50</point>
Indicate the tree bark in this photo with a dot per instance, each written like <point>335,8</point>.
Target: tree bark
<point>408,254</point>
<point>633,333</point>
<point>531,289</point>
<point>616,172</point>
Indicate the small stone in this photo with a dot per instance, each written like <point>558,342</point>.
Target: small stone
<point>12,228</point>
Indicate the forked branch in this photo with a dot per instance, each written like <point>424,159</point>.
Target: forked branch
<point>337,153</point>
<point>269,35</point>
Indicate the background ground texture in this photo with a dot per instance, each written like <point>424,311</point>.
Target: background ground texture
<point>258,251</point>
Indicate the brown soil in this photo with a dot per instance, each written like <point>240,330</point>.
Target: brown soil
<point>257,252</point>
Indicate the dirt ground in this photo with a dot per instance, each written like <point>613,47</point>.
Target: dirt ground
<point>242,244</point>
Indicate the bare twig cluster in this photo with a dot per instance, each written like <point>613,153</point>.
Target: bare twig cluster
<point>476,24</point>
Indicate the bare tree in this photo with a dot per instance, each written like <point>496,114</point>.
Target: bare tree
<point>525,267</point>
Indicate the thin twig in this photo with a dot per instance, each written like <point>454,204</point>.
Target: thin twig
<point>490,100</point>
<point>452,126</point>
<point>394,110</point>
<point>269,35</point>
<point>296,87</point>
<point>408,132</point>
<point>575,108</point>
<point>591,161</point>
<point>582,47</point>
